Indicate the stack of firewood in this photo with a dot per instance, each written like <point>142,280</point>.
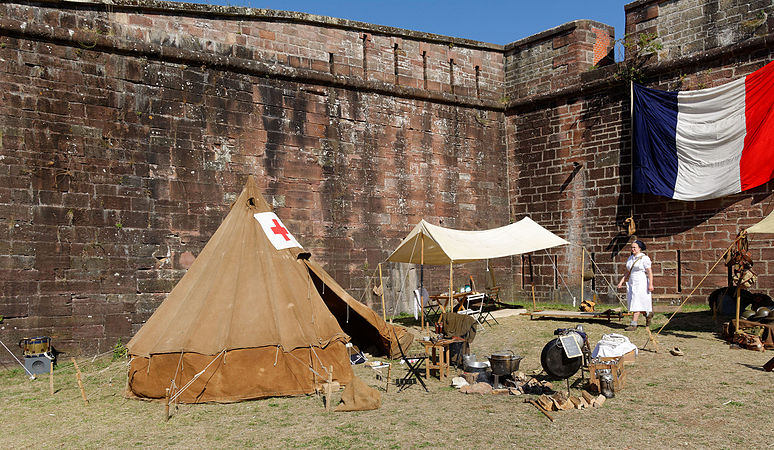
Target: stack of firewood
<point>560,401</point>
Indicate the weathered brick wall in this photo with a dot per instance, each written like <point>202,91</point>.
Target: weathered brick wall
<point>127,128</point>
<point>688,27</point>
<point>570,155</point>
<point>555,58</point>
<point>126,133</point>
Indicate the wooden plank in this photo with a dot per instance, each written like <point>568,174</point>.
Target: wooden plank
<point>578,314</point>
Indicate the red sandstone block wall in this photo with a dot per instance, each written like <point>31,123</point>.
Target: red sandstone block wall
<point>587,202</point>
<point>124,145</point>
<point>555,59</point>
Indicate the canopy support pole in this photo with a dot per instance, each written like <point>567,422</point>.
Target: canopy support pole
<point>583,265</point>
<point>422,282</point>
<point>381,284</point>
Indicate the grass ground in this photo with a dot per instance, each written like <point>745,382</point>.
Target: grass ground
<point>713,397</point>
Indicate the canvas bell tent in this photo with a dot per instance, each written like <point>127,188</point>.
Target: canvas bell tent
<point>244,322</point>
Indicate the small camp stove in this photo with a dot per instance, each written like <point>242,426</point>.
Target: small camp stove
<point>496,383</point>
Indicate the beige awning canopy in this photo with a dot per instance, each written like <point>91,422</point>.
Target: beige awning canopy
<point>446,245</point>
<point>766,225</point>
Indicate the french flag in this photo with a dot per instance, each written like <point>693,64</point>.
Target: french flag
<point>708,143</point>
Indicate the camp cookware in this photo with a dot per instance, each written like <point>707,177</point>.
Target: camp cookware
<point>503,363</point>
<point>476,367</point>
<point>606,383</point>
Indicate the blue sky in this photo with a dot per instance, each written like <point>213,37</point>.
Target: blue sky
<point>497,22</point>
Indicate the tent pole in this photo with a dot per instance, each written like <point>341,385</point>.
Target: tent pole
<point>422,281</point>
<point>583,265</point>
<point>381,284</point>
<point>451,283</point>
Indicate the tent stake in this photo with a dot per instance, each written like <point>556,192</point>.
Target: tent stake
<point>51,376</point>
<point>166,405</point>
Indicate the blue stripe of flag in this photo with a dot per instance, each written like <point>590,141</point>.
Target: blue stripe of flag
<point>655,147</point>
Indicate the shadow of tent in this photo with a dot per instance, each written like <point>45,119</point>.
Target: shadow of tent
<point>698,321</point>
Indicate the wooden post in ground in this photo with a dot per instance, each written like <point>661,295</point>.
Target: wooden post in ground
<point>738,298</point>
<point>51,377</point>
<point>534,305</point>
<point>80,383</point>
<point>329,390</point>
<point>387,387</point>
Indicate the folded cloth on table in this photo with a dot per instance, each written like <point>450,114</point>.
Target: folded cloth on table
<point>613,345</point>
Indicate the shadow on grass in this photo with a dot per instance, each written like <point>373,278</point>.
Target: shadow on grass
<point>683,323</point>
<point>752,366</point>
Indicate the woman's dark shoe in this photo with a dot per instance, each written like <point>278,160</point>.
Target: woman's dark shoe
<point>631,327</point>
<point>648,318</point>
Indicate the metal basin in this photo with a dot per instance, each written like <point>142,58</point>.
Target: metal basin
<point>476,367</point>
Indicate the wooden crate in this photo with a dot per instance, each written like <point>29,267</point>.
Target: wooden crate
<point>616,369</point>
<point>627,358</point>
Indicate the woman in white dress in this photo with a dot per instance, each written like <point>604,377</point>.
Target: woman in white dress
<point>639,285</point>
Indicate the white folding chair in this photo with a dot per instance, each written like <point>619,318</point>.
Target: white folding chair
<point>474,306</point>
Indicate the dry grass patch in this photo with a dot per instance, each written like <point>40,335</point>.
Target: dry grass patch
<point>711,397</point>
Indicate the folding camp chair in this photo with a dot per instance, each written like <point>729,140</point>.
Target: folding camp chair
<point>432,309</point>
<point>413,364</point>
<point>474,307</point>
<point>486,312</point>
<point>493,293</point>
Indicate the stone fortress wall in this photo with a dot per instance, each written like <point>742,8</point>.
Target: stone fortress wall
<point>127,128</point>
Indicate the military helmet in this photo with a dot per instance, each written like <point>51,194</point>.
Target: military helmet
<point>762,312</point>
<point>747,314</point>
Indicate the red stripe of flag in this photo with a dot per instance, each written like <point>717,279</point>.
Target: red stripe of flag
<point>756,166</point>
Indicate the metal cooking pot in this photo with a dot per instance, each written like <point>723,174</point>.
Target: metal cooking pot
<point>503,363</point>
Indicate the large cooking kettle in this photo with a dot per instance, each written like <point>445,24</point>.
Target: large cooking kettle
<point>503,363</point>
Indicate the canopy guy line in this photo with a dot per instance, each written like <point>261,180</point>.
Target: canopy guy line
<point>609,284</point>
<point>560,274</point>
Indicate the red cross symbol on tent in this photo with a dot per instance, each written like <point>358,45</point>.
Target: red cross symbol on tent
<point>279,229</point>
<point>275,231</point>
